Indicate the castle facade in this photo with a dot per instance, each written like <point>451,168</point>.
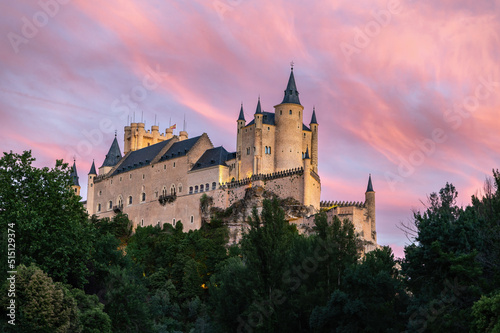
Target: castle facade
<point>161,176</point>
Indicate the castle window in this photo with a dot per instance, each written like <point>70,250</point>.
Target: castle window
<point>192,219</point>
<point>269,150</point>
<point>207,187</point>
<point>281,112</point>
<point>130,176</point>
<point>142,176</point>
<point>265,149</point>
<point>180,188</point>
<point>173,222</point>
<point>120,202</point>
<point>201,188</point>
<point>290,111</point>
<point>111,181</point>
<point>91,185</point>
<point>142,222</point>
<point>130,200</point>
<point>268,128</point>
<point>143,197</point>
<point>165,167</point>
<point>100,192</point>
<point>299,113</point>
<point>190,190</point>
<point>110,204</point>
<point>214,184</point>
<point>248,151</point>
<point>120,178</point>
<point>98,207</point>
<point>172,189</point>
<point>156,194</point>
<point>164,192</point>
<point>76,189</point>
<point>304,135</point>
<point>174,164</point>
<point>254,149</point>
<point>196,189</point>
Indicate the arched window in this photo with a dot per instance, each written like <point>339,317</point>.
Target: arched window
<point>214,184</point>
<point>192,219</point>
<point>180,188</point>
<point>130,200</point>
<point>98,207</point>
<point>110,204</point>
<point>207,187</point>
<point>190,190</point>
<point>120,201</point>
<point>269,150</point>
<point>201,188</point>
<point>196,189</point>
<point>172,190</point>
<point>142,223</point>
<point>290,111</point>
<point>143,197</point>
<point>164,192</point>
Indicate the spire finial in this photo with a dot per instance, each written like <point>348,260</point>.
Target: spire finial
<point>291,65</point>
<point>116,133</point>
<point>369,188</point>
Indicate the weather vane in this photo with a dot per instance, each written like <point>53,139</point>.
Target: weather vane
<point>291,64</point>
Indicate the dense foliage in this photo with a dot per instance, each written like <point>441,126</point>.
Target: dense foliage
<point>83,274</point>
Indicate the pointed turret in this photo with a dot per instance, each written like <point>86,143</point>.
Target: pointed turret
<point>242,115</point>
<point>92,169</point>
<point>291,92</point>
<point>313,118</point>
<point>74,175</point>
<point>113,156</point>
<point>259,109</point>
<point>369,188</point>
<point>306,155</point>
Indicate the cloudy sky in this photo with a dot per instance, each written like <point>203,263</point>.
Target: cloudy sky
<point>408,91</point>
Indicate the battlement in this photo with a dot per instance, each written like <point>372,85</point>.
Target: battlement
<point>332,204</point>
<point>269,176</point>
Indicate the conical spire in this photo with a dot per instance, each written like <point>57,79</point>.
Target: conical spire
<point>114,154</point>
<point>74,174</point>
<point>259,109</point>
<point>92,169</point>
<point>369,188</point>
<point>306,156</point>
<point>313,118</point>
<point>291,93</point>
<point>242,115</point>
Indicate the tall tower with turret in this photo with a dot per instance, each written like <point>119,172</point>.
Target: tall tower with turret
<point>239,140</point>
<point>370,207</point>
<point>288,119</point>
<point>90,189</point>
<point>314,141</point>
<point>75,185</point>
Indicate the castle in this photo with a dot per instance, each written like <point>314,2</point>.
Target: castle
<point>161,176</point>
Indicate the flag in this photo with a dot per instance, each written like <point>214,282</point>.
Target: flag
<point>174,126</point>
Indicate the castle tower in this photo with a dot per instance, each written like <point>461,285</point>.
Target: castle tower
<point>155,131</point>
<point>288,120</point>
<point>75,185</point>
<point>257,145</point>
<point>90,189</point>
<point>370,207</point>
<point>306,162</point>
<point>239,140</point>
<point>314,141</point>
<point>113,156</point>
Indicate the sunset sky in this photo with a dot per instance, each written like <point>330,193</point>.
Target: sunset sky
<point>408,91</point>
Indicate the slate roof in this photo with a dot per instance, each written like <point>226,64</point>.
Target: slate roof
<point>242,115</point>
<point>267,119</point>
<point>231,156</point>
<point>92,169</point>
<point>313,118</point>
<point>180,148</point>
<point>141,157</point>
<point>212,157</point>
<point>74,174</point>
<point>258,110</point>
<point>113,156</point>
<point>369,188</point>
<point>291,92</point>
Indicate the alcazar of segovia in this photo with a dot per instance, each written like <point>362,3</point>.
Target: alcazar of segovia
<point>161,177</point>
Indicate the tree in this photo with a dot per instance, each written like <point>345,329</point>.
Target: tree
<point>50,223</point>
<point>42,305</point>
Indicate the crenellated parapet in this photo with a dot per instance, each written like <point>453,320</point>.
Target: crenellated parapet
<point>263,177</point>
<point>330,204</point>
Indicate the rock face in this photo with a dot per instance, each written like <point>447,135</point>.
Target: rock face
<point>236,216</point>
